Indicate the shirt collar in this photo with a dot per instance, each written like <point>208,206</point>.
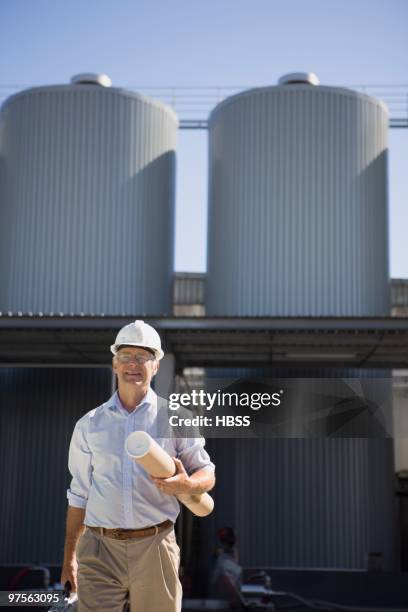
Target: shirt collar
<point>150,399</point>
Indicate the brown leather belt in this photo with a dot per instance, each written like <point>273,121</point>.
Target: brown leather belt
<point>125,534</point>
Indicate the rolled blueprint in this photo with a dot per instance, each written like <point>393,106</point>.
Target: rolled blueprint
<point>150,455</point>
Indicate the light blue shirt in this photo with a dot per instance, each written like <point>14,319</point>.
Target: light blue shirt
<point>113,488</point>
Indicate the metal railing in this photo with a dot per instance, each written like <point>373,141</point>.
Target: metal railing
<point>194,104</point>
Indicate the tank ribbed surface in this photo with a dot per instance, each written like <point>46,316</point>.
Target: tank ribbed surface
<point>298,219</point>
<point>87,194</point>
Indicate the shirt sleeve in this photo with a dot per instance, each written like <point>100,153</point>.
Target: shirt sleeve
<point>193,455</point>
<point>80,466</point>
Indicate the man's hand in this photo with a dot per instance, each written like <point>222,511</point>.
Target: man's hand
<point>69,574</point>
<point>75,527</point>
<point>179,484</point>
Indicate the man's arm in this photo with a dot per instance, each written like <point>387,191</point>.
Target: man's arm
<point>80,466</point>
<point>74,528</point>
<point>202,480</point>
<point>181,483</point>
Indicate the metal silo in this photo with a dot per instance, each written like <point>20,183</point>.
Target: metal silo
<point>298,227</point>
<point>87,200</point>
<point>298,202</point>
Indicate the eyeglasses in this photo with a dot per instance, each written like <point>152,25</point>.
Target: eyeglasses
<point>139,359</point>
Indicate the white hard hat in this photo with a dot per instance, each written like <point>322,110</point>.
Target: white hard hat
<point>140,334</point>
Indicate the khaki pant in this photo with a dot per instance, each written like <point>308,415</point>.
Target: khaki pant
<point>143,571</point>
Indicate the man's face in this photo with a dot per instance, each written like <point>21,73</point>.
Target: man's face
<point>134,367</point>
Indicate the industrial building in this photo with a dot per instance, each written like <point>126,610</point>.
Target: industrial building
<point>297,286</point>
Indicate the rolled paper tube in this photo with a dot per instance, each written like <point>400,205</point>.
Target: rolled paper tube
<point>200,505</point>
<point>150,455</point>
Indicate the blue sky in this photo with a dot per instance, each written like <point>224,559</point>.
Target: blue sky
<point>213,42</point>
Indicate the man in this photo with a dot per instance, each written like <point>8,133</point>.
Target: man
<point>119,532</point>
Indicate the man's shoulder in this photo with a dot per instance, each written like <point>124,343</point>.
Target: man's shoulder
<point>95,413</point>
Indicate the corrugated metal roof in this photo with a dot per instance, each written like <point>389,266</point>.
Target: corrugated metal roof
<point>374,342</point>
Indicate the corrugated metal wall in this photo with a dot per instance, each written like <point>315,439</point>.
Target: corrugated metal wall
<point>87,202</point>
<point>306,503</point>
<point>293,502</point>
<point>298,219</point>
<point>399,292</point>
<point>298,502</point>
<point>189,288</point>
<point>188,294</point>
<point>400,403</point>
<point>399,295</point>
<point>39,408</point>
